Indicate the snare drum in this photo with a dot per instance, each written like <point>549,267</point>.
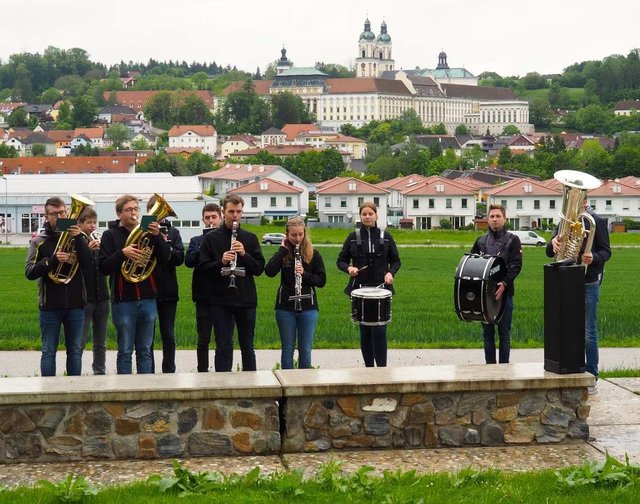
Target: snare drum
<point>371,306</point>
<point>474,292</point>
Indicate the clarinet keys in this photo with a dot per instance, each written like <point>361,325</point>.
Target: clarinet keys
<point>232,271</point>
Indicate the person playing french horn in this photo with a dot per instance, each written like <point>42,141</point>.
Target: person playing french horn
<point>231,257</point>
<point>133,299</point>
<point>301,270</point>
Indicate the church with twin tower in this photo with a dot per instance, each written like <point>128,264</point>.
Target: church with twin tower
<point>374,53</point>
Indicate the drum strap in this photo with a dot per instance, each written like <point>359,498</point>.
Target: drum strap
<point>359,238</point>
<point>504,250</point>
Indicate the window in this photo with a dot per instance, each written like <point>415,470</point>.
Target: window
<point>288,201</point>
<point>625,204</point>
<point>343,202</point>
<point>432,203</point>
<point>327,202</point>
<point>376,201</point>
<point>416,203</point>
<point>273,201</point>
<point>607,204</point>
<point>360,201</point>
<point>519,204</point>
<point>592,204</point>
<point>448,203</point>
<point>503,203</point>
<point>536,204</point>
<point>463,202</point>
<point>333,219</point>
<point>552,204</point>
<point>254,202</point>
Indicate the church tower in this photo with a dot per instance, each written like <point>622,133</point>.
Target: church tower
<point>374,54</point>
<point>284,63</point>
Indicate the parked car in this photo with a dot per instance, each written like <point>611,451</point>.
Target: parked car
<point>273,238</point>
<point>530,238</point>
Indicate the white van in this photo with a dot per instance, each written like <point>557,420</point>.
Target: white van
<point>530,238</point>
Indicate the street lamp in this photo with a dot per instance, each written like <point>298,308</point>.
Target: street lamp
<point>6,209</point>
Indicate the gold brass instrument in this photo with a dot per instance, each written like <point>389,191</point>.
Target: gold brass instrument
<point>572,229</point>
<point>136,271</point>
<point>299,296</point>
<point>64,272</point>
<point>232,270</point>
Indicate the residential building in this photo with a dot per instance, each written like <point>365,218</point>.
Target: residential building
<point>39,139</point>
<point>68,165</point>
<point>271,198</point>
<point>237,143</point>
<point>137,100</point>
<point>203,138</point>
<point>338,201</point>
<point>273,136</point>
<point>626,107</point>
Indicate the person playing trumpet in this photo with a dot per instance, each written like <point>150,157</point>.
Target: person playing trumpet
<point>133,304</point>
<point>96,311</point>
<point>301,270</point>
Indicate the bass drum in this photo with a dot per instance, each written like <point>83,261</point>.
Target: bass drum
<point>371,306</point>
<point>474,292</point>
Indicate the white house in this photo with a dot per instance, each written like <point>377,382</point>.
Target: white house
<point>338,201</point>
<point>231,176</point>
<point>270,198</point>
<point>395,200</point>
<point>237,143</point>
<point>203,138</point>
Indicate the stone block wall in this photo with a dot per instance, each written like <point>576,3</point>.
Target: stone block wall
<point>452,419</point>
<point>142,430</point>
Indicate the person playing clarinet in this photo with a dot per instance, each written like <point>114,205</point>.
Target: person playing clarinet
<point>370,257</point>
<point>301,270</point>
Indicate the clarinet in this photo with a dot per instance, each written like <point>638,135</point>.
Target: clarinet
<point>298,297</point>
<point>233,270</point>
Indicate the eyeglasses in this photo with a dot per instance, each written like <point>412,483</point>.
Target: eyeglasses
<point>60,213</point>
<point>131,209</point>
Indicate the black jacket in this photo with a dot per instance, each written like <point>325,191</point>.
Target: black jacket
<point>41,260</point>
<point>601,249</point>
<point>201,284</point>
<point>165,273</point>
<point>111,258</point>
<point>506,245</point>
<point>95,282</point>
<point>314,276</point>
<point>378,255</point>
<point>214,245</point>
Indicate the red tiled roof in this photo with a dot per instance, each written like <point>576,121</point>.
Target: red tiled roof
<point>89,132</point>
<point>233,171</point>
<point>341,186</point>
<point>345,139</point>
<point>272,187</point>
<point>202,130</point>
<point>276,150</point>
<point>261,87</point>
<point>182,150</point>
<point>627,105</point>
<point>613,188</point>
<point>403,182</point>
<point>516,187</point>
<point>293,130</point>
<point>138,99</point>
<point>433,184</point>
<point>354,85</point>
<point>71,164</point>
<point>60,135</point>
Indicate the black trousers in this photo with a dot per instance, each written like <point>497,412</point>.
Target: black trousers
<point>204,326</point>
<point>166,321</point>
<point>224,320</point>
<point>373,344</point>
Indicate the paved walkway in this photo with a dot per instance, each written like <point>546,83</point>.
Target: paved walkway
<point>614,426</point>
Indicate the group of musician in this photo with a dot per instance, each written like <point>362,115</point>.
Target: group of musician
<point>225,258</point>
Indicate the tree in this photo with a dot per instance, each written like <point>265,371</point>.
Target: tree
<point>386,167</point>
<point>287,108</point>
<point>504,157</point>
<point>8,151</point>
<point>200,80</point>
<point>539,113</point>
<point>140,144</point>
<point>164,163</point>
<point>118,134</point>
<point>50,95</point>
<point>160,110</point>
<point>533,80</point>
<point>38,150</point>
<point>510,129</point>
<point>461,129</point>
<point>597,161</point>
<point>439,129</point>
<point>193,110</point>
<point>593,119</point>
<point>626,161</point>
<point>18,118</point>
<point>84,111</point>
<point>63,121</point>
<point>332,164</point>
<point>199,163</point>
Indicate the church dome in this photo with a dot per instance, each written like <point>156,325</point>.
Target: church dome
<point>442,55</point>
<point>384,37</point>
<point>367,35</point>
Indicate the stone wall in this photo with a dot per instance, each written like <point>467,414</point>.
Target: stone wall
<point>142,430</point>
<point>416,420</point>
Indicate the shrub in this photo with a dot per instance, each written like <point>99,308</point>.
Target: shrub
<point>445,223</point>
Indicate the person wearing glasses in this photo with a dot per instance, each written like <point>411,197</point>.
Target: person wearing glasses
<point>60,304</point>
<point>133,305</point>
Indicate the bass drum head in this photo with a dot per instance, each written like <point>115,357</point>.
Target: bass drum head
<point>476,282</point>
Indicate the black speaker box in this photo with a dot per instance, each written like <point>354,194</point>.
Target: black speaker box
<point>564,318</point>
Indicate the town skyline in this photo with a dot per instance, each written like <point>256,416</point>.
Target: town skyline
<point>488,37</point>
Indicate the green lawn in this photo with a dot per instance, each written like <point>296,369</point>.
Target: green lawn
<point>423,307</point>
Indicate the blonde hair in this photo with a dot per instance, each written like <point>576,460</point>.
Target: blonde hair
<point>306,248</point>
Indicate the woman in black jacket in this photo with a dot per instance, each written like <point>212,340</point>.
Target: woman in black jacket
<point>370,257</point>
<point>297,312</point>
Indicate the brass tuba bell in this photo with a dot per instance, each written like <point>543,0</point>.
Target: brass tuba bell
<point>572,230</point>
<point>64,272</point>
<point>138,271</point>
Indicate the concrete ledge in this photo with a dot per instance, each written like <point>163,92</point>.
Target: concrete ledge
<point>157,387</point>
<point>426,379</point>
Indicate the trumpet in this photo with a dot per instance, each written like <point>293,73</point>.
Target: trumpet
<point>233,270</point>
<point>299,296</point>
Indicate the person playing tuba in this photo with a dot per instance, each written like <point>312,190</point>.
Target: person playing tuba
<point>130,263</point>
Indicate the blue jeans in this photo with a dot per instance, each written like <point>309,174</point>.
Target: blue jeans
<point>504,332</point>
<point>304,324</point>
<point>50,322</point>
<point>134,321</point>
<point>591,296</point>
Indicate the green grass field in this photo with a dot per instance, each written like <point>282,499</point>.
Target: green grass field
<point>423,307</point>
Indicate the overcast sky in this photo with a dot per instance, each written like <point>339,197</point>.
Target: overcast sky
<point>504,36</point>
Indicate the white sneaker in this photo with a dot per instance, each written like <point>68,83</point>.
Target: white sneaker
<point>593,390</point>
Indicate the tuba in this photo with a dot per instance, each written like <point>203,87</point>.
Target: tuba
<point>136,271</point>
<point>64,272</point>
<point>572,229</point>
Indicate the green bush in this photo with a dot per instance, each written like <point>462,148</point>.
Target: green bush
<point>631,224</point>
<point>445,223</point>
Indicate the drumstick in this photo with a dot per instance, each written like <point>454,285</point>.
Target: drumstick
<point>363,268</point>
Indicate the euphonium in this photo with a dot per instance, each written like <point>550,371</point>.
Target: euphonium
<point>136,271</point>
<point>64,272</point>
<point>572,229</point>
